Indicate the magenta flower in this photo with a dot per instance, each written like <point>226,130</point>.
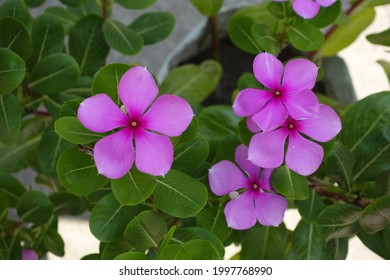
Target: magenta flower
<point>309,8</point>
<point>266,149</point>
<point>114,154</point>
<point>29,254</point>
<point>257,202</point>
<point>289,93</point>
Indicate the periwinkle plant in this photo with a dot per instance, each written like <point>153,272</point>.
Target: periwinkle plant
<point>113,141</point>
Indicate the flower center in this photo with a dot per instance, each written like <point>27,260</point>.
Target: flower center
<point>277,93</point>
<point>134,124</point>
<point>290,126</point>
<point>255,186</point>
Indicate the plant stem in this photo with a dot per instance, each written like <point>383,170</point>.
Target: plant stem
<point>214,36</point>
<point>104,9</point>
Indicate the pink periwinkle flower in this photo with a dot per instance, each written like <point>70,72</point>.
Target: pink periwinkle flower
<point>289,93</point>
<point>258,202</point>
<point>266,149</point>
<point>115,154</point>
<point>29,254</point>
<point>309,8</point>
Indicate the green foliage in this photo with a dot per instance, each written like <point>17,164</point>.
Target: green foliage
<point>136,4</point>
<point>378,242</point>
<point>12,70</point>
<point>64,16</point>
<point>265,38</point>
<point>376,216</point>
<point>327,15</point>
<point>213,219</point>
<point>71,129</point>
<point>67,204</point>
<point>240,32</point>
<point>307,244</point>
<point>305,37</point>
<point>290,184</point>
<point>10,119</point>
<point>34,207</point>
<point>12,188</point>
<point>208,7</point>
<point>382,38</point>
<point>16,9</point>
<point>174,252</point>
<point>311,207</point>
<point>54,243</point>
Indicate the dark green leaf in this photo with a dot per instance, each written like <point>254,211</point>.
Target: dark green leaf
<point>78,172</point>
<point>223,149</point>
<point>188,135</point>
<point>69,108</point>
<point>10,119</point>
<point>338,221</point>
<point>146,230</point>
<point>180,195</point>
<point>91,257</point>
<point>34,3</point>
<point>279,10</point>
<point>174,252</point>
<point>34,207</point>
<point>240,32</point>
<point>115,248</point>
<point>136,4</point>
<point>248,80</point>
<point>3,205</point>
<point>213,219</point>
<point>326,15</point>
<point>386,67</point>
<point>311,207</point>
<point>132,256</point>
<point>305,37</point>
<point>382,185</point>
<point>87,44</point>
<point>378,242</point>
<point>71,129</point>
<point>67,204</point>
<point>201,250</point>
<point>167,238</point>
<point>335,249</point>
<point>153,27</point>
<point>18,10</point>
<point>54,243</point>
<point>244,133</point>
<point>290,184</point>
<point>208,7</point>
<point>12,188</point>
<point>134,187</point>
<point>265,38</point>
<point>81,89</point>
<point>14,36</point>
<point>382,38</point>
<point>71,2</point>
<point>12,70</point>
<point>109,218</point>
<point>66,17</point>
<point>376,216</point>
<point>191,155</point>
<point>88,7</point>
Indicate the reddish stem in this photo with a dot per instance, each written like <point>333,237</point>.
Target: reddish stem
<point>214,36</point>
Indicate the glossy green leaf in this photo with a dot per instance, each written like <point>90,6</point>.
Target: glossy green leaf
<point>180,195</point>
<point>14,36</point>
<point>3,205</point>
<point>290,184</point>
<point>66,203</point>
<point>12,70</point>
<point>16,9</point>
<point>134,187</point>
<point>146,230</point>
<point>167,238</point>
<point>201,250</point>
<point>136,4</point>
<point>174,252</point>
<point>338,221</point>
<point>88,7</point>
<point>132,256</point>
<point>153,27</point>
<point>34,207</point>
<point>306,243</point>
<point>311,207</point>
<point>67,18</point>
<point>47,38</point>
<point>335,249</point>
<point>12,188</point>
<point>71,129</point>
<point>279,10</point>
<point>382,184</point>
<point>326,15</point>
<point>366,133</point>
<point>376,216</point>
<point>10,119</point>
<point>213,219</point>
<point>208,7</point>
<point>54,243</point>
<point>191,155</point>
<point>248,80</point>
<point>305,37</point>
<point>244,133</point>
<point>223,149</point>
<point>87,44</point>
<point>265,38</point>
<point>382,38</point>
<point>193,83</point>
<point>378,242</point>
<point>34,3</point>
<point>188,135</point>
<point>78,172</point>
<point>55,73</point>
<point>69,108</point>
<point>115,248</point>
<point>107,80</point>
<point>240,32</point>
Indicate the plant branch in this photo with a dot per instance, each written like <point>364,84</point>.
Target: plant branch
<point>104,9</point>
<point>214,36</point>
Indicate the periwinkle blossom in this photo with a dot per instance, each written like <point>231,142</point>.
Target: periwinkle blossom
<point>266,149</point>
<point>115,154</point>
<point>289,93</point>
<point>258,202</point>
<point>29,254</point>
<point>309,8</point>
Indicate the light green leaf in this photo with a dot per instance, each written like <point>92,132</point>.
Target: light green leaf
<point>12,70</point>
<point>71,129</point>
<point>208,7</point>
<point>279,10</point>
<point>305,37</point>
<point>265,38</point>
<point>136,4</point>
<point>240,32</point>
<point>290,184</point>
<point>10,119</point>
<point>376,216</point>
<point>34,207</point>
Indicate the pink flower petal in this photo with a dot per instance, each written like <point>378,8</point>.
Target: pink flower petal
<point>299,74</point>
<point>265,180</point>
<point>169,115</point>
<point>272,116</point>
<point>154,153</point>
<point>306,8</point>
<point>268,70</point>
<point>266,149</point>
<point>326,3</point>
<point>100,114</point>
<point>114,154</point>
<point>270,208</point>
<point>240,212</point>
<point>303,156</point>
<point>250,101</point>
<point>241,157</point>
<point>137,90</point>
<point>225,177</point>
<point>29,254</point>
<point>302,105</point>
<point>324,127</point>
<point>252,126</point>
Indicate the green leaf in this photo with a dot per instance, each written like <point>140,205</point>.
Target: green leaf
<point>87,7</point>
<point>335,249</point>
<point>12,188</point>
<point>244,133</point>
<point>208,7</point>
<point>167,238</point>
<point>71,129</point>
<point>66,17</point>
<point>279,10</point>
<point>66,203</point>
<point>240,32</point>
<point>290,184</point>
<point>366,133</point>
<point>264,243</point>
<point>344,35</point>
<point>34,207</point>
<point>326,15</point>
<point>87,44</point>
<point>188,135</point>
<point>109,218</point>
<point>132,256</point>
<point>213,219</point>
<point>70,107</point>
<point>134,187</point>
<point>180,195</point>
<point>201,250</point>
<point>153,27</point>
<point>376,216</point>
<point>34,3</point>
<point>248,80</point>
<point>382,184</point>
<point>378,242</point>
<point>382,38</point>
<point>12,70</point>
<point>49,150</point>
<point>193,83</point>
<point>338,221</point>
<point>121,38</point>
<point>386,67</point>
<point>71,2</point>
<point>218,121</point>
<point>265,38</point>
<point>10,119</point>
<point>55,73</point>
<point>78,172</point>
<point>306,243</point>
<point>174,252</point>
<point>146,230</point>
<point>16,9</point>
<point>115,248</point>
<point>107,80</point>
<point>54,243</point>
<point>3,205</point>
<point>47,38</point>
<point>91,257</point>
<point>305,37</point>
<point>311,207</point>
<point>191,155</point>
<point>135,4</point>
<point>14,36</point>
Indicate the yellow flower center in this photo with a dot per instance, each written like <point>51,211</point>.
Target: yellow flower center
<point>134,124</point>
